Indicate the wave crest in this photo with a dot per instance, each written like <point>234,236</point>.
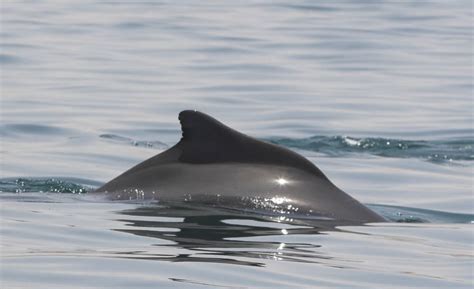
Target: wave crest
<point>438,151</point>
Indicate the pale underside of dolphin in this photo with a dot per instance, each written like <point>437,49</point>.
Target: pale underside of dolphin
<point>215,164</point>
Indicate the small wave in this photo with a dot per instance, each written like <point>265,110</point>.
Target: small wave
<point>433,151</point>
<point>138,143</point>
<point>46,185</point>
<point>416,215</point>
<point>9,59</point>
<point>309,8</point>
<point>32,129</point>
<point>130,25</point>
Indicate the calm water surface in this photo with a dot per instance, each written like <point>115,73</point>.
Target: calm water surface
<point>378,94</point>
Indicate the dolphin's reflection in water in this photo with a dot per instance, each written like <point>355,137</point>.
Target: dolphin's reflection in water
<point>219,235</point>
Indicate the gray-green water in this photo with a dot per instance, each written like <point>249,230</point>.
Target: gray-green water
<point>378,94</point>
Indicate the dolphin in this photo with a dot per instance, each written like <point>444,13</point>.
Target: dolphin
<point>215,164</point>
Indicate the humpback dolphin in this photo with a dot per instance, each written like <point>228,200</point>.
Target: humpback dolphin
<point>213,163</point>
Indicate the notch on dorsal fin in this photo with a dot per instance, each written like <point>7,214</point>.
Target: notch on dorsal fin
<point>197,126</point>
<point>203,138</point>
<point>206,140</point>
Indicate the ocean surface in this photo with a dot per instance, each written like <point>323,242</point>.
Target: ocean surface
<point>377,94</point>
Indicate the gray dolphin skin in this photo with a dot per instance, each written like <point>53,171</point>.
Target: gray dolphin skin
<point>215,164</point>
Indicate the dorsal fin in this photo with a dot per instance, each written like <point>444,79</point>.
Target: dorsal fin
<point>197,126</point>
<point>206,140</point>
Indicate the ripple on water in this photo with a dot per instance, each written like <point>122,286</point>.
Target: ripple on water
<point>139,143</point>
<point>6,59</point>
<point>33,129</point>
<point>436,151</point>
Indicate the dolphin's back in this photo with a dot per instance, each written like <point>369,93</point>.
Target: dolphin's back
<point>212,159</point>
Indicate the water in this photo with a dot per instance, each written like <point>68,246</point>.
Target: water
<point>377,94</point>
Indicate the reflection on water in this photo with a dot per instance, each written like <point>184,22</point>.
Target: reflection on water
<point>51,240</point>
<point>218,235</point>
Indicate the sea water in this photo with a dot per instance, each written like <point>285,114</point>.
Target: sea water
<point>377,94</point>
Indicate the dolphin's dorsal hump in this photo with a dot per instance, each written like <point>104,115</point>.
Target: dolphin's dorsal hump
<point>206,140</point>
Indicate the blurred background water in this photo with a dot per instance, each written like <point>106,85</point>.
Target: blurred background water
<point>378,94</point>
